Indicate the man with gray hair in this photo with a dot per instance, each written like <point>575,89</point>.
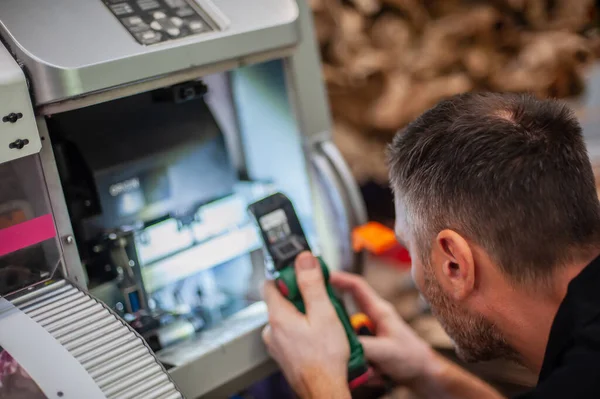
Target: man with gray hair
<point>496,201</point>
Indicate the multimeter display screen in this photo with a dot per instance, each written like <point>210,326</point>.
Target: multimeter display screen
<point>276,226</point>
<point>280,229</point>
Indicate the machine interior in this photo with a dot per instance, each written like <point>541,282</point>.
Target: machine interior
<point>157,186</point>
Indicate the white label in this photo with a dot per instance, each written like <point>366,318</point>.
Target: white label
<point>124,187</point>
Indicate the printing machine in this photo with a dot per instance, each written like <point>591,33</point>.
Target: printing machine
<point>133,135</point>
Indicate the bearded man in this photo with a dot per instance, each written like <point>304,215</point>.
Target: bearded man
<point>496,201</point>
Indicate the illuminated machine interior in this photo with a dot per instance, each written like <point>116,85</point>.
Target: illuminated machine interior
<point>135,134</point>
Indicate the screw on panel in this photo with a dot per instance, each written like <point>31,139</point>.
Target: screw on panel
<point>69,239</point>
<point>12,117</point>
<point>18,144</point>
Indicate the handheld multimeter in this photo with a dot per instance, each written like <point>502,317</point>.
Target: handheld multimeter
<point>284,240</point>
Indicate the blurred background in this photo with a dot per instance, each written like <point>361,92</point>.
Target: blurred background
<point>387,61</point>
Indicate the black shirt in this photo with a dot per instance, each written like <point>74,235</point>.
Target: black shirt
<point>571,367</point>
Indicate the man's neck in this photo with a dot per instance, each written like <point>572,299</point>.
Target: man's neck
<point>527,319</point>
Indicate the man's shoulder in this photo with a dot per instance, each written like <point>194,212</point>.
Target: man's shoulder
<point>576,374</point>
<point>571,362</point>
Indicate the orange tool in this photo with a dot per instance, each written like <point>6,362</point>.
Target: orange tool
<point>362,324</point>
<point>381,241</point>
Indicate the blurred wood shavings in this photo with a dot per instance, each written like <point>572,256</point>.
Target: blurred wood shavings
<point>387,61</point>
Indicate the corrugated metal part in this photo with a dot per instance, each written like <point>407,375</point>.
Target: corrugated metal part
<point>114,355</point>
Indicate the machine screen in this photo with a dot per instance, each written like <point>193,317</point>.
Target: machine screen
<point>276,226</point>
<point>156,21</point>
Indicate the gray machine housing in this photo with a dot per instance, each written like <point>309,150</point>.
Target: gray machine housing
<point>255,56</point>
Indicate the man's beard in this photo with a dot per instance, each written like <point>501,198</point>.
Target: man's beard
<point>476,339</point>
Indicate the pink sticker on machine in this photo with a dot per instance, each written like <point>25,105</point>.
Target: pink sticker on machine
<point>26,234</point>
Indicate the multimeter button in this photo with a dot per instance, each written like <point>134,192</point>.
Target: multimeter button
<point>283,288</point>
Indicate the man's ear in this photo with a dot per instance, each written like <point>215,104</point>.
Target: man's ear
<point>454,264</point>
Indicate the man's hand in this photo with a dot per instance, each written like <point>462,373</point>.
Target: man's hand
<point>396,350</point>
<point>312,349</point>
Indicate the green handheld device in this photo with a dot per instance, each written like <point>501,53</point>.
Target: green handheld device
<point>284,239</point>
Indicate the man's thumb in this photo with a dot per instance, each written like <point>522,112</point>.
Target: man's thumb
<point>310,280</point>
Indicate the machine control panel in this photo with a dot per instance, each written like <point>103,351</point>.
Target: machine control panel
<point>156,21</point>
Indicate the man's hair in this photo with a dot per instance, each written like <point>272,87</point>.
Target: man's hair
<point>509,172</point>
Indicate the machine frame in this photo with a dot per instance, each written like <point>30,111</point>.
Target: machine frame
<point>333,187</point>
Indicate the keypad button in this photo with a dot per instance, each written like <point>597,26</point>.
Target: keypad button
<point>132,21</point>
<point>196,25</point>
<point>156,25</point>
<point>149,37</point>
<point>147,5</point>
<point>121,9</point>
<point>177,21</point>
<point>139,28</point>
<point>173,32</point>
<point>159,15</point>
<point>185,12</point>
<point>175,3</point>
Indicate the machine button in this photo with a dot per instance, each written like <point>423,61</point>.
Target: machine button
<point>146,5</point>
<point>149,37</point>
<point>177,21</point>
<point>121,9</point>
<point>173,32</point>
<point>159,15</point>
<point>283,288</point>
<point>132,21</point>
<point>156,25</point>
<point>175,3</point>
<point>185,12</point>
<point>196,26</point>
